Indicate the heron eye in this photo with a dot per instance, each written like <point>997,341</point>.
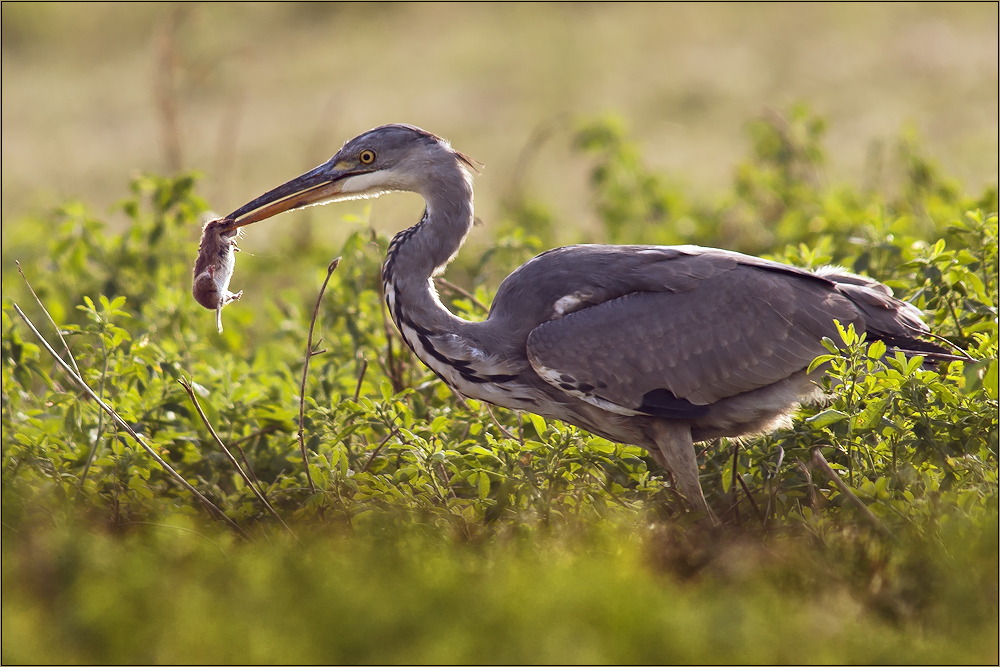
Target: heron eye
<point>367,157</point>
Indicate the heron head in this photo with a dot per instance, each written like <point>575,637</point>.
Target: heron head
<point>385,159</point>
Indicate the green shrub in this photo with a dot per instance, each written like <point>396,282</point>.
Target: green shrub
<point>394,456</point>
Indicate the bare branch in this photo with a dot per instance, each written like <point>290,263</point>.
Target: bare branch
<point>820,461</point>
<point>746,489</point>
<point>310,352</point>
<point>229,455</point>
<point>361,377</point>
<point>732,484</point>
<point>69,353</point>
<point>128,429</point>
<point>267,429</point>
<point>391,433</point>
<point>506,433</point>
<point>813,501</point>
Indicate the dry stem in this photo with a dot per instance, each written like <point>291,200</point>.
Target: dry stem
<point>505,432</point>
<point>820,461</point>
<point>232,459</point>
<point>310,352</point>
<point>361,377</point>
<point>128,429</point>
<point>371,458</point>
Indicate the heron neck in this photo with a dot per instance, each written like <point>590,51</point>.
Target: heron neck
<point>416,254</point>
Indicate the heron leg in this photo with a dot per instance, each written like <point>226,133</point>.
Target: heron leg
<point>676,454</point>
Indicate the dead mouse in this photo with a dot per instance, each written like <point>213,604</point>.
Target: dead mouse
<point>214,267</point>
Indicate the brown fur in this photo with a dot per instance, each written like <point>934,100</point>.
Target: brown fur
<point>214,267</point>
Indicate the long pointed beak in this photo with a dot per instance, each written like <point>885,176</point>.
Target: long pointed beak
<point>312,187</point>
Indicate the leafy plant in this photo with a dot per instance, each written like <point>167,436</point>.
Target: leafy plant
<point>905,448</point>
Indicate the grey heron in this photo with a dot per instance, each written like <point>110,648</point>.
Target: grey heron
<point>657,346</point>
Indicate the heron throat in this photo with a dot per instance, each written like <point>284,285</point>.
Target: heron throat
<point>415,255</point>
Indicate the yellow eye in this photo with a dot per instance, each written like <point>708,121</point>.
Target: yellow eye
<point>367,157</point>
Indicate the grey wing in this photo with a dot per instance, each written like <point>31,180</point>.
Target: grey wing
<point>673,353</point>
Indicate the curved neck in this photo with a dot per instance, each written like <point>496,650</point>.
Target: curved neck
<point>416,254</point>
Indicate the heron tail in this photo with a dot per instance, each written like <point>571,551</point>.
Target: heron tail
<point>898,324</point>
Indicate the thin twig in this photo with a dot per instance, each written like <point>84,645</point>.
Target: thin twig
<point>746,489</point>
<point>165,89</point>
<point>267,429</point>
<point>954,316</point>
<point>361,377</point>
<point>59,333</point>
<point>507,434</point>
<point>104,374</point>
<point>100,417</point>
<point>128,429</point>
<point>775,485</point>
<point>813,502</point>
<point>732,484</point>
<point>957,348</point>
<point>393,432</point>
<point>458,290</point>
<point>539,135</point>
<point>229,455</point>
<point>243,455</point>
<point>820,461</point>
<point>246,462</point>
<point>181,528</point>
<point>447,479</point>
<point>461,399</point>
<point>305,372</point>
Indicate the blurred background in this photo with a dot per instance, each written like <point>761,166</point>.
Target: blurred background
<point>250,95</point>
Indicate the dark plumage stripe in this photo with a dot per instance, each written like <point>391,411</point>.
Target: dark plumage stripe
<point>481,379</point>
<point>915,346</point>
<point>389,265</point>
<point>462,366</point>
<point>431,350</point>
<point>663,403</point>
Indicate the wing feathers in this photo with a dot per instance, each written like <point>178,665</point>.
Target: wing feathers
<point>668,329</point>
<point>664,352</point>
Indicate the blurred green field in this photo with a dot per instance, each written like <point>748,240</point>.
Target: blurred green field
<point>603,597</point>
<point>421,528</point>
<point>263,91</point>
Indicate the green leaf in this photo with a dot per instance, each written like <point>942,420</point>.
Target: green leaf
<point>826,418</point>
<point>538,423</point>
<point>727,474</point>
<point>819,361</point>
<point>871,415</point>
<point>137,484</point>
<point>990,381</point>
<point>482,451</point>
<point>876,350</point>
<point>829,344</point>
<point>484,485</point>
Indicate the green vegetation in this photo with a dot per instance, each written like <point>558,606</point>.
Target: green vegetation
<point>433,529</point>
